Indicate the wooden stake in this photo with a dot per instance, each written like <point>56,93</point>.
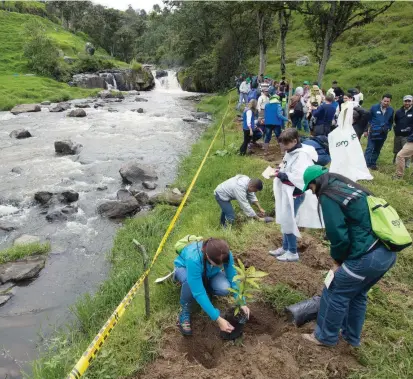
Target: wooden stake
<point>142,249</point>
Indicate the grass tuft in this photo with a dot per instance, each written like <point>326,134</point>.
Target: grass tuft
<point>22,251</point>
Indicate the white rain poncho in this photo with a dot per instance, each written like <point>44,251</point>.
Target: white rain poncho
<point>294,164</point>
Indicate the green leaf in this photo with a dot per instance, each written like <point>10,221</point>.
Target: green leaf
<point>240,264</point>
<point>239,270</point>
<point>250,281</point>
<point>232,290</point>
<point>237,309</point>
<point>260,274</point>
<point>238,277</point>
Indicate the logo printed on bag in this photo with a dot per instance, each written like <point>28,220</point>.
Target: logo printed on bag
<point>342,143</point>
<point>396,223</point>
<point>353,136</point>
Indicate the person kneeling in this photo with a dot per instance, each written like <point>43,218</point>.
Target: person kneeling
<point>206,265</point>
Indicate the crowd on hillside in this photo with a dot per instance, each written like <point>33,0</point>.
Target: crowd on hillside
<point>364,231</point>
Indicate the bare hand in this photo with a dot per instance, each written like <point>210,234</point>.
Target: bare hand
<point>246,311</point>
<point>251,133</point>
<point>261,213</point>
<point>224,325</point>
<point>365,134</point>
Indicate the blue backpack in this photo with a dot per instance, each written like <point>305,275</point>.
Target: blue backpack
<point>252,94</point>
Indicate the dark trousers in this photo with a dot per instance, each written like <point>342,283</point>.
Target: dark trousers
<point>247,140</point>
<point>373,151</point>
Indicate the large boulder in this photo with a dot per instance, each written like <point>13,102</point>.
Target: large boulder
<point>61,214</point>
<point>124,195</point>
<point>167,197</point>
<point>77,113</point>
<point>118,209</point>
<point>20,134</point>
<point>26,239</point>
<point>22,270</point>
<point>89,81</point>
<point>7,227</point>
<point>43,197</point>
<point>69,196</point>
<point>133,172</point>
<point>149,185</point>
<point>141,196</point>
<point>61,107</point>
<point>160,73</point>
<point>4,299</point>
<point>303,61</point>
<point>23,108</point>
<point>67,147</point>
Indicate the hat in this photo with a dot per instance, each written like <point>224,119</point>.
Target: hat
<point>266,77</point>
<point>306,82</point>
<point>274,98</point>
<point>408,97</point>
<point>248,80</point>
<point>311,173</point>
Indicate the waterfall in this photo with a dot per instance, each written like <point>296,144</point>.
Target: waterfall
<point>115,85</point>
<point>167,83</point>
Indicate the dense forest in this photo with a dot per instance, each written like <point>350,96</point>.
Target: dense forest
<point>212,41</point>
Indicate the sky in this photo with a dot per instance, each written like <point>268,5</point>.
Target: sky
<point>123,4</point>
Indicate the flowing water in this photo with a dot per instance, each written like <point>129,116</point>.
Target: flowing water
<point>77,263</point>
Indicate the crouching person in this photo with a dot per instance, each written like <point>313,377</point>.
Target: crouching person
<point>201,267</point>
<point>242,189</point>
<point>360,259</point>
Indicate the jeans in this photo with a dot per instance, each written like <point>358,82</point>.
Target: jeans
<point>256,135</point>
<point>343,305</point>
<point>290,240</point>
<point>305,124</point>
<point>227,214</point>
<point>217,285</point>
<point>296,120</point>
<point>247,140</point>
<point>373,151</point>
<point>243,97</point>
<point>269,129</point>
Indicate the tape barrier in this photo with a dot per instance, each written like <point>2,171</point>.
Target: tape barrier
<point>92,350</point>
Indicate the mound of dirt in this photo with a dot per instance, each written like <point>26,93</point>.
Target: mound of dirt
<point>270,348</point>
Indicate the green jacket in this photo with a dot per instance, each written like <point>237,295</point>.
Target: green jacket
<point>347,223</point>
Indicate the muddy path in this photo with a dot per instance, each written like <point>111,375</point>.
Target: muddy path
<point>271,347</point>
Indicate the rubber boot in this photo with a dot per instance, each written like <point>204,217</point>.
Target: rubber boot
<point>184,320</point>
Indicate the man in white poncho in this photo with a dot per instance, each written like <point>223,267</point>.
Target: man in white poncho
<point>293,207</point>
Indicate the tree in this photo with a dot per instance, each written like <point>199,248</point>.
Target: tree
<point>326,21</point>
<point>284,16</point>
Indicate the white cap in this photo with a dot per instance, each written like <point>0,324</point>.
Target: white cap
<point>408,97</point>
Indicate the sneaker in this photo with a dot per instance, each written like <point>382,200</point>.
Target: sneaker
<point>288,257</point>
<point>278,252</point>
<point>184,321</point>
<point>374,168</point>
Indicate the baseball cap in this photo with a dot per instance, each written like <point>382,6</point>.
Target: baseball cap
<point>306,82</point>
<point>408,97</point>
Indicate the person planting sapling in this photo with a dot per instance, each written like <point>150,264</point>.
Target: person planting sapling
<point>205,266</point>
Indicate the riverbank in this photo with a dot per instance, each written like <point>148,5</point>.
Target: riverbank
<point>135,342</point>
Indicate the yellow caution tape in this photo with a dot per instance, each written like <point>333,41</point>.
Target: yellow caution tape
<point>91,352</point>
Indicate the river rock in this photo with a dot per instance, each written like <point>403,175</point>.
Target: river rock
<point>20,134</point>
<point>189,119</point>
<point>201,115</point>
<point>82,105</point>
<point>43,197</point>
<point>141,100</point>
<point>118,209</point>
<point>176,191</point>
<point>7,227</point>
<point>77,113</point>
<point>67,147</point>
<point>22,270</point>
<point>26,239</point>
<point>133,172</point>
<point>98,105</point>
<point>149,185</point>
<point>303,61</point>
<point>69,196</point>
<point>61,214</point>
<point>3,300</point>
<point>133,93</point>
<point>5,288</point>
<point>17,170</point>
<point>112,110</point>
<point>160,73</point>
<point>102,188</point>
<point>142,197</point>
<point>45,102</point>
<point>61,107</point>
<point>139,110</point>
<point>167,197</point>
<point>123,195</point>
<point>23,108</point>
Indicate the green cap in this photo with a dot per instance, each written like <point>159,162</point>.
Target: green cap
<point>306,82</point>
<point>266,77</point>
<point>311,173</point>
<point>248,80</point>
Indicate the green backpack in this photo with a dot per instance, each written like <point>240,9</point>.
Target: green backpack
<point>387,225</point>
<point>186,241</point>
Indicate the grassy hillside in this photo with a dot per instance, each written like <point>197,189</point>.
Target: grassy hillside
<point>17,88</point>
<point>375,56</point>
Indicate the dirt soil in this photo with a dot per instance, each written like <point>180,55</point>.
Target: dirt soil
<point>270,347</point>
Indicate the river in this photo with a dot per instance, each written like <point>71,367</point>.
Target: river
<point>77,261</point>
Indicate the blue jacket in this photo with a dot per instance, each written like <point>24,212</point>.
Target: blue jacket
<point>191,258</point>
<point>273,114</point>
<point>252,94</point>
<point>320,144</point>
<point>325,114</point>
<point>244,120</point>
<point>380,123</point>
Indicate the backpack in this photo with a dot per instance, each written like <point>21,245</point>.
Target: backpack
<point>179,246</point>
<point>252,94</point>
<point>387,225</point>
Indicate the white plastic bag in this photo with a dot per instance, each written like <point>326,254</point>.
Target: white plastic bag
<point>347,156</point>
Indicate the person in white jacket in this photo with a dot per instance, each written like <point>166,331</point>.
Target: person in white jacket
<point>289,195</point>
<point>244,88</point>
<point>242,189</point>
<point>262,101</point>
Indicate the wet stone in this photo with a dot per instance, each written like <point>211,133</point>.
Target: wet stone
<point>21,270</point>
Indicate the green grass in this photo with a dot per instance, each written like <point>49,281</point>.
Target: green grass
<point>15,87</point>
<point>388,332</point>
<point>21,251</point>
<point>375,56</point>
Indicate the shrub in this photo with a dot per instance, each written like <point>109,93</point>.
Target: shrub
<point>40,51</point>
<point>135,66</point>
<point>88,63</point>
